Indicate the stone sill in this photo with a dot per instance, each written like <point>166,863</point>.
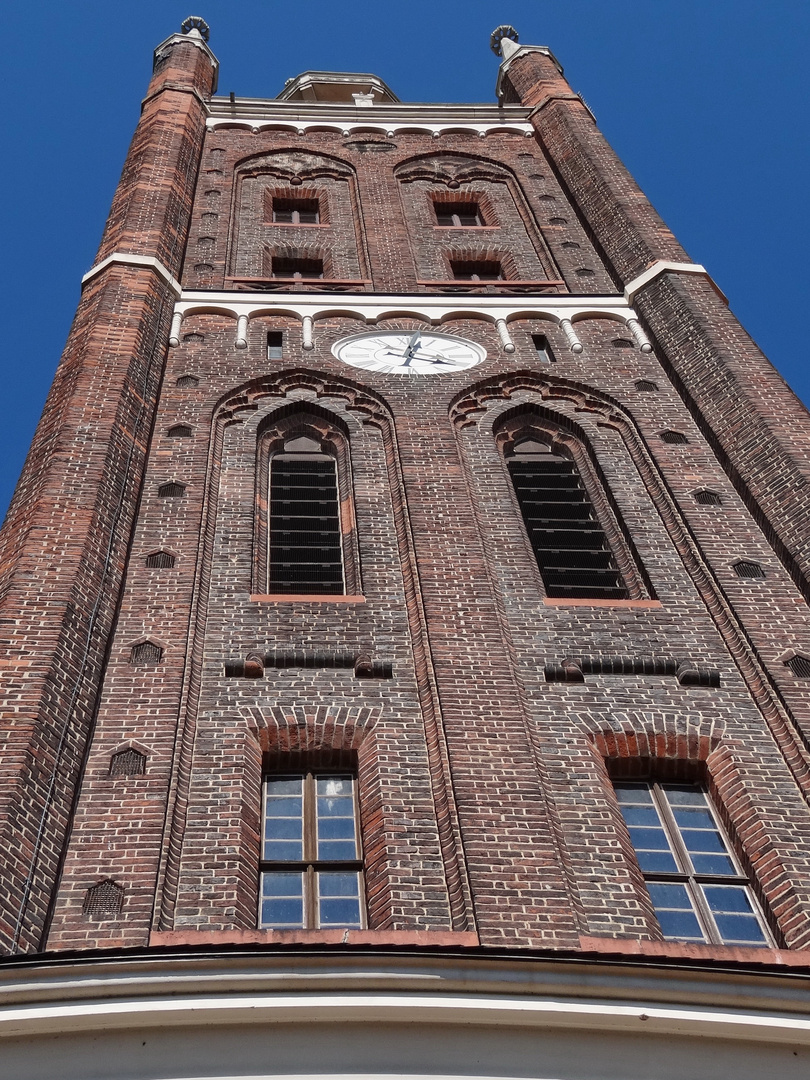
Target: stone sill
<point>565,601</point>
<point>449,938</point>
<point>305,598</point>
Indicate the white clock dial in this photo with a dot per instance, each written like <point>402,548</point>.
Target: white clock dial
<point>409,353</point>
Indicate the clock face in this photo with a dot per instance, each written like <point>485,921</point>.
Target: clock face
<point>409,353</point>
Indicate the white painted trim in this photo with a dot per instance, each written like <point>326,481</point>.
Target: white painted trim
<point>369,121</point>
<point>663,266</point>
<point>371,307</point>
<point>125,259</point>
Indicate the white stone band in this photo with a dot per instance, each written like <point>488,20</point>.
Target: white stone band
<point>125,259</point>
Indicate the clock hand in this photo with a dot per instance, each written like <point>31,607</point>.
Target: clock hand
<point>413,344</point>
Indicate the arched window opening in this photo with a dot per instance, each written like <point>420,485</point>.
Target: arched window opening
<point>305,537</point>
<point>582,549</point>
<point>568,541</point>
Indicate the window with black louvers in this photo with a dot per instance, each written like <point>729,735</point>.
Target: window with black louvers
<point>570,545</point>
<point>306,549</point>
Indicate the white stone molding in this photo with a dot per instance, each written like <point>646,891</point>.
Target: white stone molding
<point>503,334</point>
<point>174,333</point>
<point>385,125</point>
<point>640,338</point>
<point>663,266</point>
<point>306,333</point>
<point>123,258</point>
<point>570,335</point>
<point>241,330</point>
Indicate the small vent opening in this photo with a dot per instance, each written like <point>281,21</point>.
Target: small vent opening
<point>179,431</point>
<point>145,654</point>
<point>745,569</point>
<point>275,345</point>
<point>542,348</point>
<point>162,560</point>
<point>800,666</point>
<point>103,899</point>
<point>172,490</point>
<point>646,386</point>
<point>128,762</point>
<point>621,342</point>
<point>192,339</point>
<point>676,437</point>
<point>187,380</point>
<point>708,498</point>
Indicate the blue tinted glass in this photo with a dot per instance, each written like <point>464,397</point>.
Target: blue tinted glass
<point>282,829</point>
<point>282,884</point>
<point>328,807</point>
<point>337,884</point>
<point>283,850</point>
<point>629,793</point>
<point>740,929</point>
<point>696,817</point>
<point>284,806</point>
<point>640,815</point>
<point>335,785</point>
<point>728,898</point>
<point>702,840</point>
<point>336,828</point>
<point>656,862</point>
<point>282,913</point>
<point>653,839</point>
<point>668,896</point>
<point>343,912</point>
<point>713,864</point>
<point>685,796</point>
<point>679,925</point>
<point>335,850</point>
<point>284,785</point>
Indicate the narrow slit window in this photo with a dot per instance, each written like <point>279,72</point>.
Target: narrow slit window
<point>275,345</point>
<point>458,215</point>
<point>311,869</point>
<point>296,212</point>
<point>542,349</point>
<point>697,889</point>
<point>306,544</point>
<point>569,543</point>
<point>476,269</point>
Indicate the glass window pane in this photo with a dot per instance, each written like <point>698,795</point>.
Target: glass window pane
<point>740,929</point>
<point>675,913</point>
<point>728,898</point>
<point>339,899</point>
<point>641,815</point>
<point>283,806</point>
<point>283,785</point>
<point>632,793</point>
<point>656,862</point>
<point>283,851</point>
<point>693,817</point>
<point>335,785</point>
<point>337,884</point>
<point>336,828</point>
<point>685,796</point>
<point>713,864</point>
<point>336,850</point>
<point>733,911</point>
<point>282,829</point>
<point>653,839</point>
<point>701,840</point>
<point>282,900</point>
<point>343,912</point>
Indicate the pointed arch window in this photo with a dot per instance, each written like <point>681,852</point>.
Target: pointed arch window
<point>582,549</point>
<point>305,540</point>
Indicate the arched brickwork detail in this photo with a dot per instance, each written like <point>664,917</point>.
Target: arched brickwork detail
<point>302,388</point>
<point>468,408</point>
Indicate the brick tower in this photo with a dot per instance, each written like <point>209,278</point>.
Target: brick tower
<point>404,614</point>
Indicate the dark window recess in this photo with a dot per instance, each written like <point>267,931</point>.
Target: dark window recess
<point>542,348</point>
<point>476,269</point>
<point>745,569</point>
<point>569,544</point>
<point>162,560</point>
<point>676,437</point>
<point>145,654</point>
<point>646,386</point>
<point>296,211</point>
<point>458,214</point>
<point>179,431</point>
<point>306,547</point>
<point>104,898</point>
<point>275,345</point>
<point>193,338</point>
<point>799,666</point>
<point>128,763</point>
<point>708,498</point>
<point>186,381</point>
<point>297,268</point>
<point>172,490</point>
<point>621,343</point>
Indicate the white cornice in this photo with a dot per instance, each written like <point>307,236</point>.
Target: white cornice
<point>663,266</point>
<point>125,259</point>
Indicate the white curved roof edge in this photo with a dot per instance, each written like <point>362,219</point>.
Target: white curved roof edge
<point>367,123</point>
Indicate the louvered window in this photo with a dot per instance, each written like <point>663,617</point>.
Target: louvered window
<point>306,545</point>
<point>458,214</point>
<point>569,543</point>
<point>800,666</point>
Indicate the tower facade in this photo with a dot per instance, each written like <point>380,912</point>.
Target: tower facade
<point>404,602</point>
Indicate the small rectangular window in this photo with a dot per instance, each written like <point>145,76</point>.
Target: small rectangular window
<point>697,889</point>
<point>467,214</point>
<point>297,268</point>
<point>542,348</point>
<point>296,212</point>
<point>476,270</point>
<point>275,345</point>
<point>311,870</point>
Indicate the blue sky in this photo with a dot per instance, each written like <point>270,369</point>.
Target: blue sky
<point>706,103</point>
